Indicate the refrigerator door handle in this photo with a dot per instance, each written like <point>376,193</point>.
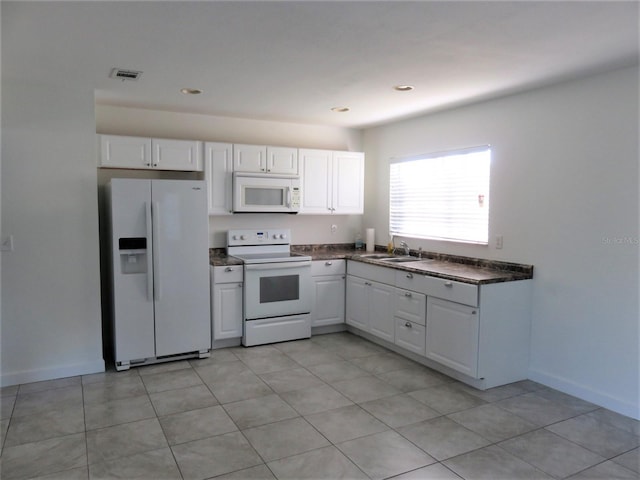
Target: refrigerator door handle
<point>157,287</point>
<point>147,208</point>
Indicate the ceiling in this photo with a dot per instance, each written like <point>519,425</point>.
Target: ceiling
<point>293,61</point>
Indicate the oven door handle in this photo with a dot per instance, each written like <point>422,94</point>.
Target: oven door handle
<point>279,265</point>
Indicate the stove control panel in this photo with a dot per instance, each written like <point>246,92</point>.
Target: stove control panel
<point>273,236</point>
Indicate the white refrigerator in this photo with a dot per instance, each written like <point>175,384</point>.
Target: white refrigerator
<point>159,242</point>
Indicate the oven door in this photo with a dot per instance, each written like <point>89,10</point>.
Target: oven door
<point>277,289</point>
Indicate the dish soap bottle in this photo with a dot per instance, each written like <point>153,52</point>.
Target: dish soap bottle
<point>390,245</point>
<point>359,242</point>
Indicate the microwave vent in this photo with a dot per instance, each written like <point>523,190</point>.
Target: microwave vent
<point>125,74</point>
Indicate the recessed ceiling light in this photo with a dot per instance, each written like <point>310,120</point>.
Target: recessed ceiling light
<point>403,88</point>
<point>340,109</point>
<point>190,91</point>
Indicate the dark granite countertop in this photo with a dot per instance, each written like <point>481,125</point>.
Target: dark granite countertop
<point>451,267</point>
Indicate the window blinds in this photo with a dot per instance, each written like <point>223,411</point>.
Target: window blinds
<point>442,196</point>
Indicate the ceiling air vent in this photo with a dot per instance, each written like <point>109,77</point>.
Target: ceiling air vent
<point>124,74</point>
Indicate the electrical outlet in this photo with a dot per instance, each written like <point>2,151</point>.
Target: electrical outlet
<point>7,244</point>
<point>499,241</point>
<point>334,228</point>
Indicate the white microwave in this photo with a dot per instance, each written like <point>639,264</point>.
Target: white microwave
<point>265,193</point>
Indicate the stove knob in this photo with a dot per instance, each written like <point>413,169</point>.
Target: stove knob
<point>275,235</point>
<point>235,237</point>
<point>282,235</point>
<point>243,237</point>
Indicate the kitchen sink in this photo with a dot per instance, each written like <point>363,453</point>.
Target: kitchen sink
<point>376,256</point>
<point>400,259</point>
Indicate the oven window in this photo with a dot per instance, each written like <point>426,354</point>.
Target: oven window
<point>280,288</point>
<point>264,196</point>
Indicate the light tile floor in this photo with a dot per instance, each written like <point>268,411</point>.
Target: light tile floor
<point>335,406</point>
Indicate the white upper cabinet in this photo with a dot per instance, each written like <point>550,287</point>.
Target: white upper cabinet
<point>176,154</point>
<point>348,182</point>
<point>316,180</point>
<point>125,152</point>
<point>218,173</point>
<point>332,182</point>
<point>265,159</point>
<point>118,151</point>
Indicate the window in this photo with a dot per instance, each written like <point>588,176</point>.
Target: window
<point>442,196</point>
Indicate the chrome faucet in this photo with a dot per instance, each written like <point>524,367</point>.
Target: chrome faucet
<point>404,245</point>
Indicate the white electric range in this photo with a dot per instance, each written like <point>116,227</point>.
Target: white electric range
<point>277,286</point>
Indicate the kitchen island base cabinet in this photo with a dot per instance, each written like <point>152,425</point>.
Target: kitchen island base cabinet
<point>226,302</point>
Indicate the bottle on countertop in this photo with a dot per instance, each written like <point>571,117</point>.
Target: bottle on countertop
<point>359,242</point>
<point>390,247</point>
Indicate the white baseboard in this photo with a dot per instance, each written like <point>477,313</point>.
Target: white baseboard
<point>602,399</point>
<point>52,373</point>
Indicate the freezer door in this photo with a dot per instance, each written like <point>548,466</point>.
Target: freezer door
<point>181,266</point>
<point>129,202</point>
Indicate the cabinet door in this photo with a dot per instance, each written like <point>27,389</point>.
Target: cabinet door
<point>218,172</point>
<point>348,182</point>
<point>118,151</point>
<point>185,155</point>
<point>381,307</point>
<point>452,335</point>
<point>282,160</point>
<point>357,303</point>
<point>227,310</point>
<point>250,158</point>
<point>328,305</point>
<point>315,173</point>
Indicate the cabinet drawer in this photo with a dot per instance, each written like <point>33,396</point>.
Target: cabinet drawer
<point>410,336</point>
<point>411,306</point>
<point>327,267</point>
<point>371,272</point>
<point>458,292</point>
<point>230,273</point>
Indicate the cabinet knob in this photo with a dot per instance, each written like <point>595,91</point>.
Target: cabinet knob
<point>409,275</point>
<point>407,294</point>
<point>448,284</point>
<point>228,269</point>
<point>408,325</point>
<point>367,283</point>
<point>328,263</point>
<point>473,312</point>
<point>239,285</point>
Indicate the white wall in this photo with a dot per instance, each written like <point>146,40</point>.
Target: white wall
<point>304,229</point>
<point>564,193</point>
<point>51,320</point>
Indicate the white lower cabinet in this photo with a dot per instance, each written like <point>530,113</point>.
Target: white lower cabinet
<point>381,309</point>
<point>452,335</point>
<point>328,292</point>
<point>476,333</point>
<point>226,301</point>
<point>370,303</point>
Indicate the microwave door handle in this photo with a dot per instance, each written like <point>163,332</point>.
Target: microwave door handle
<point>270,266</point>
<point>288,197</point>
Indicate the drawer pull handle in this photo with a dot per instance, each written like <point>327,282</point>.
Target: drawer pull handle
<point>448,284</point>
<point>408,325</point>
<point>409,275</point>
<point>239,285</point>
<point>328,264</point>
<point>407,294</point>
<point>473,312</point>
<point>367,283</point>
<point>228,269</point>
